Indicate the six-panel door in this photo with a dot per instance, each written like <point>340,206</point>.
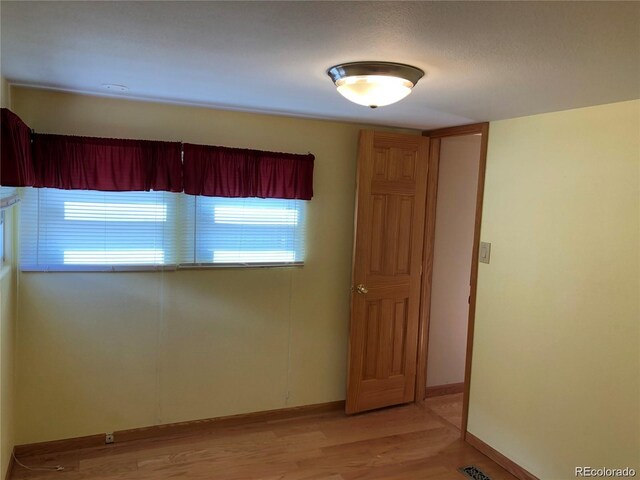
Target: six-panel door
<point>390,211</point>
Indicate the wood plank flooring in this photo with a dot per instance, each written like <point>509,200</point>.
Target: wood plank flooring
<point>448,407</point>
<point>402,443</point>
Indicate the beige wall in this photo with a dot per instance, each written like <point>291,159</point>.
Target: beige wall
<point>108,351</point>
<point>7,330</point>
<point>5,94</point>
<point>556,365</point>
<point>455,220</point>
<point>7,348</point>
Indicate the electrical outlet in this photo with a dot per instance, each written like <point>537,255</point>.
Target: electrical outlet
<point>108,438</point>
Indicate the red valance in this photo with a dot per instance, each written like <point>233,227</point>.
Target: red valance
<point>234,172</point>
<point>16,165</point>
<point>105,164</point>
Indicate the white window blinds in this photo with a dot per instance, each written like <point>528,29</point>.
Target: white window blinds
<point>242,231</point>
<point>89,230</point>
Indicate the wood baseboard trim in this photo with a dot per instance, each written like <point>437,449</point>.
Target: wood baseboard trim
<point>10,465</point>
<point>509,465</point>
<point>176,429</point>
<point>439,390</point>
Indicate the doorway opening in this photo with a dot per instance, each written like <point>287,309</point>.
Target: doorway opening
<point>456,184</point>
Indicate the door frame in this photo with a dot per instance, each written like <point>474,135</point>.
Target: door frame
<point>435,137</point>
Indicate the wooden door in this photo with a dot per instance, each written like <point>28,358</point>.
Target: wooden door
<point>387,267</point>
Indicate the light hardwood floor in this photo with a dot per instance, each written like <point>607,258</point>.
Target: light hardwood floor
<point>407,442</point>
<point>448,407</point>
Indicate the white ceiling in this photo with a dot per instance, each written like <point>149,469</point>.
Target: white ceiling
<point>484,61</point>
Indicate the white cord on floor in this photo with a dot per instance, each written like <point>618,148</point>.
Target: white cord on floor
<point>57,468</point>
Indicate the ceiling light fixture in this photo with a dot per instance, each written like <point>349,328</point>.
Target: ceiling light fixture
<point>374,84</point>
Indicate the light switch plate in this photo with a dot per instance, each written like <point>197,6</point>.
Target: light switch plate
<point>485,252</point>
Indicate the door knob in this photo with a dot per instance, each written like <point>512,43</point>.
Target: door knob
<point>362,289</point>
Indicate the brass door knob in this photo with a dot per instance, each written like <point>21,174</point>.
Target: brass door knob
<point>362,289</point>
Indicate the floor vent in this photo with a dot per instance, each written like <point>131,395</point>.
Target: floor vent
<point>474,473</point>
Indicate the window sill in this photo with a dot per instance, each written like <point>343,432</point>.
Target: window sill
<point>206,266</point>
<point>149,268</point>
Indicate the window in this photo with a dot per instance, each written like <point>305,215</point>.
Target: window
<point>243,230</point>
<point>89,230</point>
<point>8,198</point>
<point>80,229</point>
<point>2,253</point>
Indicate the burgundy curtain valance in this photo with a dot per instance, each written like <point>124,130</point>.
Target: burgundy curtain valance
<point>16,163</point>
<point>106,164</point>
<point>234,172</point>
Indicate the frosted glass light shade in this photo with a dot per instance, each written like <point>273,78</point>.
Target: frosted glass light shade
<point>374,84</point>
<point>374,90</point>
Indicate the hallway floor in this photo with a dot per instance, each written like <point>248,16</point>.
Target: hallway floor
<point>449,407</point>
